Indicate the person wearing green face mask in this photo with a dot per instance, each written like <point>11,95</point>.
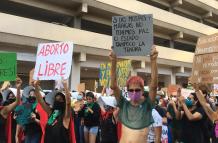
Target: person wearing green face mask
<point>192,118</point>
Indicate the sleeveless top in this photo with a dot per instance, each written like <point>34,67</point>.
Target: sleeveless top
<point>33,128</point>
<point>109,129</point>
<point>56,132</point>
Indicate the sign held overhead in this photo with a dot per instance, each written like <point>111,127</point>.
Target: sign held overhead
<point>8,66</point>
<point>132,35</point>
<point>205,64</point>
<point>53,61</point>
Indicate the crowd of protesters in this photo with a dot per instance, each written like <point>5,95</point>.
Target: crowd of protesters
<point>151,116</point>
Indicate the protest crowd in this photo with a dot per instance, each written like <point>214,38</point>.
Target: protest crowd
<point>177,114</point>
<point>126,111</point>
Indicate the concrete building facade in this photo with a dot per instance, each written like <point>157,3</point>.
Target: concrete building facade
<point>87,23</point>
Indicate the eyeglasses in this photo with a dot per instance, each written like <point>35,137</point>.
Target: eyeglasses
<point>136,90</point>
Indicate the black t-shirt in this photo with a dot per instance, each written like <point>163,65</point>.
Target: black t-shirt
<point>33,128</point>
<point>192,131</point>
<point>161,111</point>
<point>174,123</point>
<point>57,133</point>
<point>91,120</point>
<point>109,129</point>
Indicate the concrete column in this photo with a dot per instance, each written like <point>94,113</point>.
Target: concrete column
<point>77,22</point>
<point>173,78</point>
<point>75,74</point>
<point>133,72</point>
<point>171,9</point>
<point>201,21</point>
<point>172,44</point>
<point>167,80</point>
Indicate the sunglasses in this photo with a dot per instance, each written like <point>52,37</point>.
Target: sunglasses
<point>136,90</point>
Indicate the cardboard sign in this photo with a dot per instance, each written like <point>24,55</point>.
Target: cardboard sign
<point>81,87</point>
<point>215,89</point>
<point>186,92</point>
<point>132,35</point>
<point>123,72</point>
<point>172,89</point>
<point>53,61</point>
<point>205,63</point>
<point>23,113</point>
<point>8,66</point>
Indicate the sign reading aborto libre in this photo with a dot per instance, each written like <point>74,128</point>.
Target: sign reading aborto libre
<point>8,66</point>
<point>205,63</point>
<point>53,61</point>
<point>132,35</point>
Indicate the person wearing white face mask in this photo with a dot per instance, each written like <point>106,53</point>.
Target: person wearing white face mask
<point>174,124</point>
<point>77,107</point>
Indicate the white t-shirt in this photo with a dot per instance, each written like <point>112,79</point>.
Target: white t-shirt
<point>157,123</point>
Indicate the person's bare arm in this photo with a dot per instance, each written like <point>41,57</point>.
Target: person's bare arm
<point>40,99</point>
<point>213,116</point>
<point>169,116</point>
<point>34,118</point>
<point>7,109</point>
<point>18,130</point>
<point>192,117</point>
<point>176,111</point>
<point>164,120</point>
<point>210,113</point>
<point>103,91</point>
<point>66,120</point>
<point>154,74</point>
<point>113,81</point>
<point>158,132</point>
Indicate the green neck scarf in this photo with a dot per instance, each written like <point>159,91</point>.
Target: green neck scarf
<point>53,117</point>
<point>90,105</point>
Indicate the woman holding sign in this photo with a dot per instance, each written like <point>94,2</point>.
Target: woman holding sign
<point>59,128</point>
<point>5,112</point>
<point>213,115</point>
<point>135,115</point>
<point>192,118</point>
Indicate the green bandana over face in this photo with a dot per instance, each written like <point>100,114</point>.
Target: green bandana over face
<point>53,117</point>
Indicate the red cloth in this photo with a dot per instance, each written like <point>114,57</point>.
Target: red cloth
<point>8,127</point>
<point>72,131</point>
<point>43,120</point>
<point>119,130</point>
<point>106,115</point>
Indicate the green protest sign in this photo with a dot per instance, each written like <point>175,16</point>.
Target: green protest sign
<point>123,71</point>
<point>8,66</point>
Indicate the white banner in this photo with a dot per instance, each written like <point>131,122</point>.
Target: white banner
<point>53,61</point>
